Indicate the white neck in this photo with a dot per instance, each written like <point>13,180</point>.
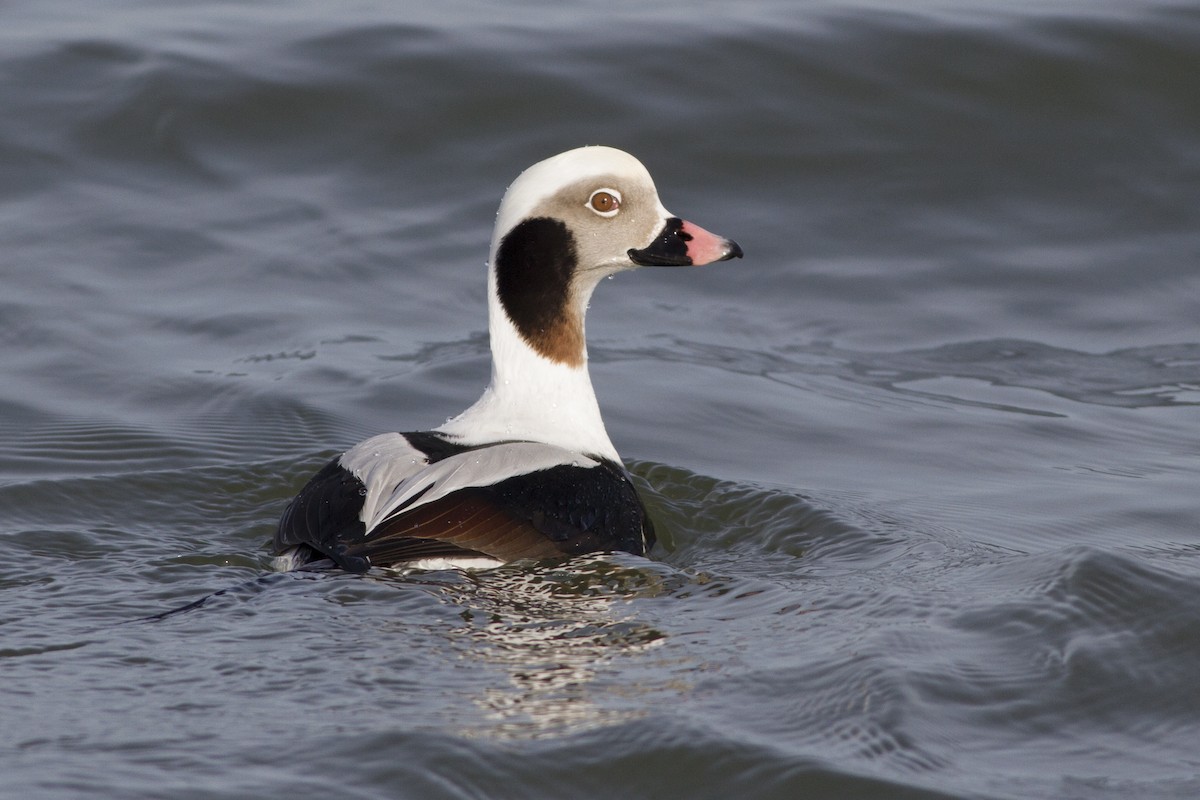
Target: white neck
<point>532,398</point>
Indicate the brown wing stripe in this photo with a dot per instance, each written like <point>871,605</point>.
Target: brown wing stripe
<point>466,521</point>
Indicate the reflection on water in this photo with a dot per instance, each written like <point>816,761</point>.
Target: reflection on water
<point>559,641</point>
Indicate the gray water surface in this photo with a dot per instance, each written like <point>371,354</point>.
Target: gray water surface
<point>925,464</point>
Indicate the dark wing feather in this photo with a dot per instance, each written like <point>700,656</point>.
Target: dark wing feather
<point>324,516</point>
<point>561,511</point>
<point>550,513</point>
<point>580,509</point>
<point>465,523</point>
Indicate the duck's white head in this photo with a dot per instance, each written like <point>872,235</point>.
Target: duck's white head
<point>571,220</point>
<point>564,224</point>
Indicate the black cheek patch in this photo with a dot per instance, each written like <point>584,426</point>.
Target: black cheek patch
<point>535,264</point>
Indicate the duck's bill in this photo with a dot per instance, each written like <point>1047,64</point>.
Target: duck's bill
<point>684,244</point>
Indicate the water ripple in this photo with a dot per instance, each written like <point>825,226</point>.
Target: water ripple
<point>1162,375</point>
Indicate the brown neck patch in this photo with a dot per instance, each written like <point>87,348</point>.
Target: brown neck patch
<point>535,269</point>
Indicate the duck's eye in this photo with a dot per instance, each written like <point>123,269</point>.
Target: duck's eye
<point>605,202</point>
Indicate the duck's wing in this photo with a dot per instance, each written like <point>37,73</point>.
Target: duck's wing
<point>327,513</point>
<point>402,497</point>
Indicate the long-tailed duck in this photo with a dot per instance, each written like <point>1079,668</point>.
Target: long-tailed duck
<point>528,471</point>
